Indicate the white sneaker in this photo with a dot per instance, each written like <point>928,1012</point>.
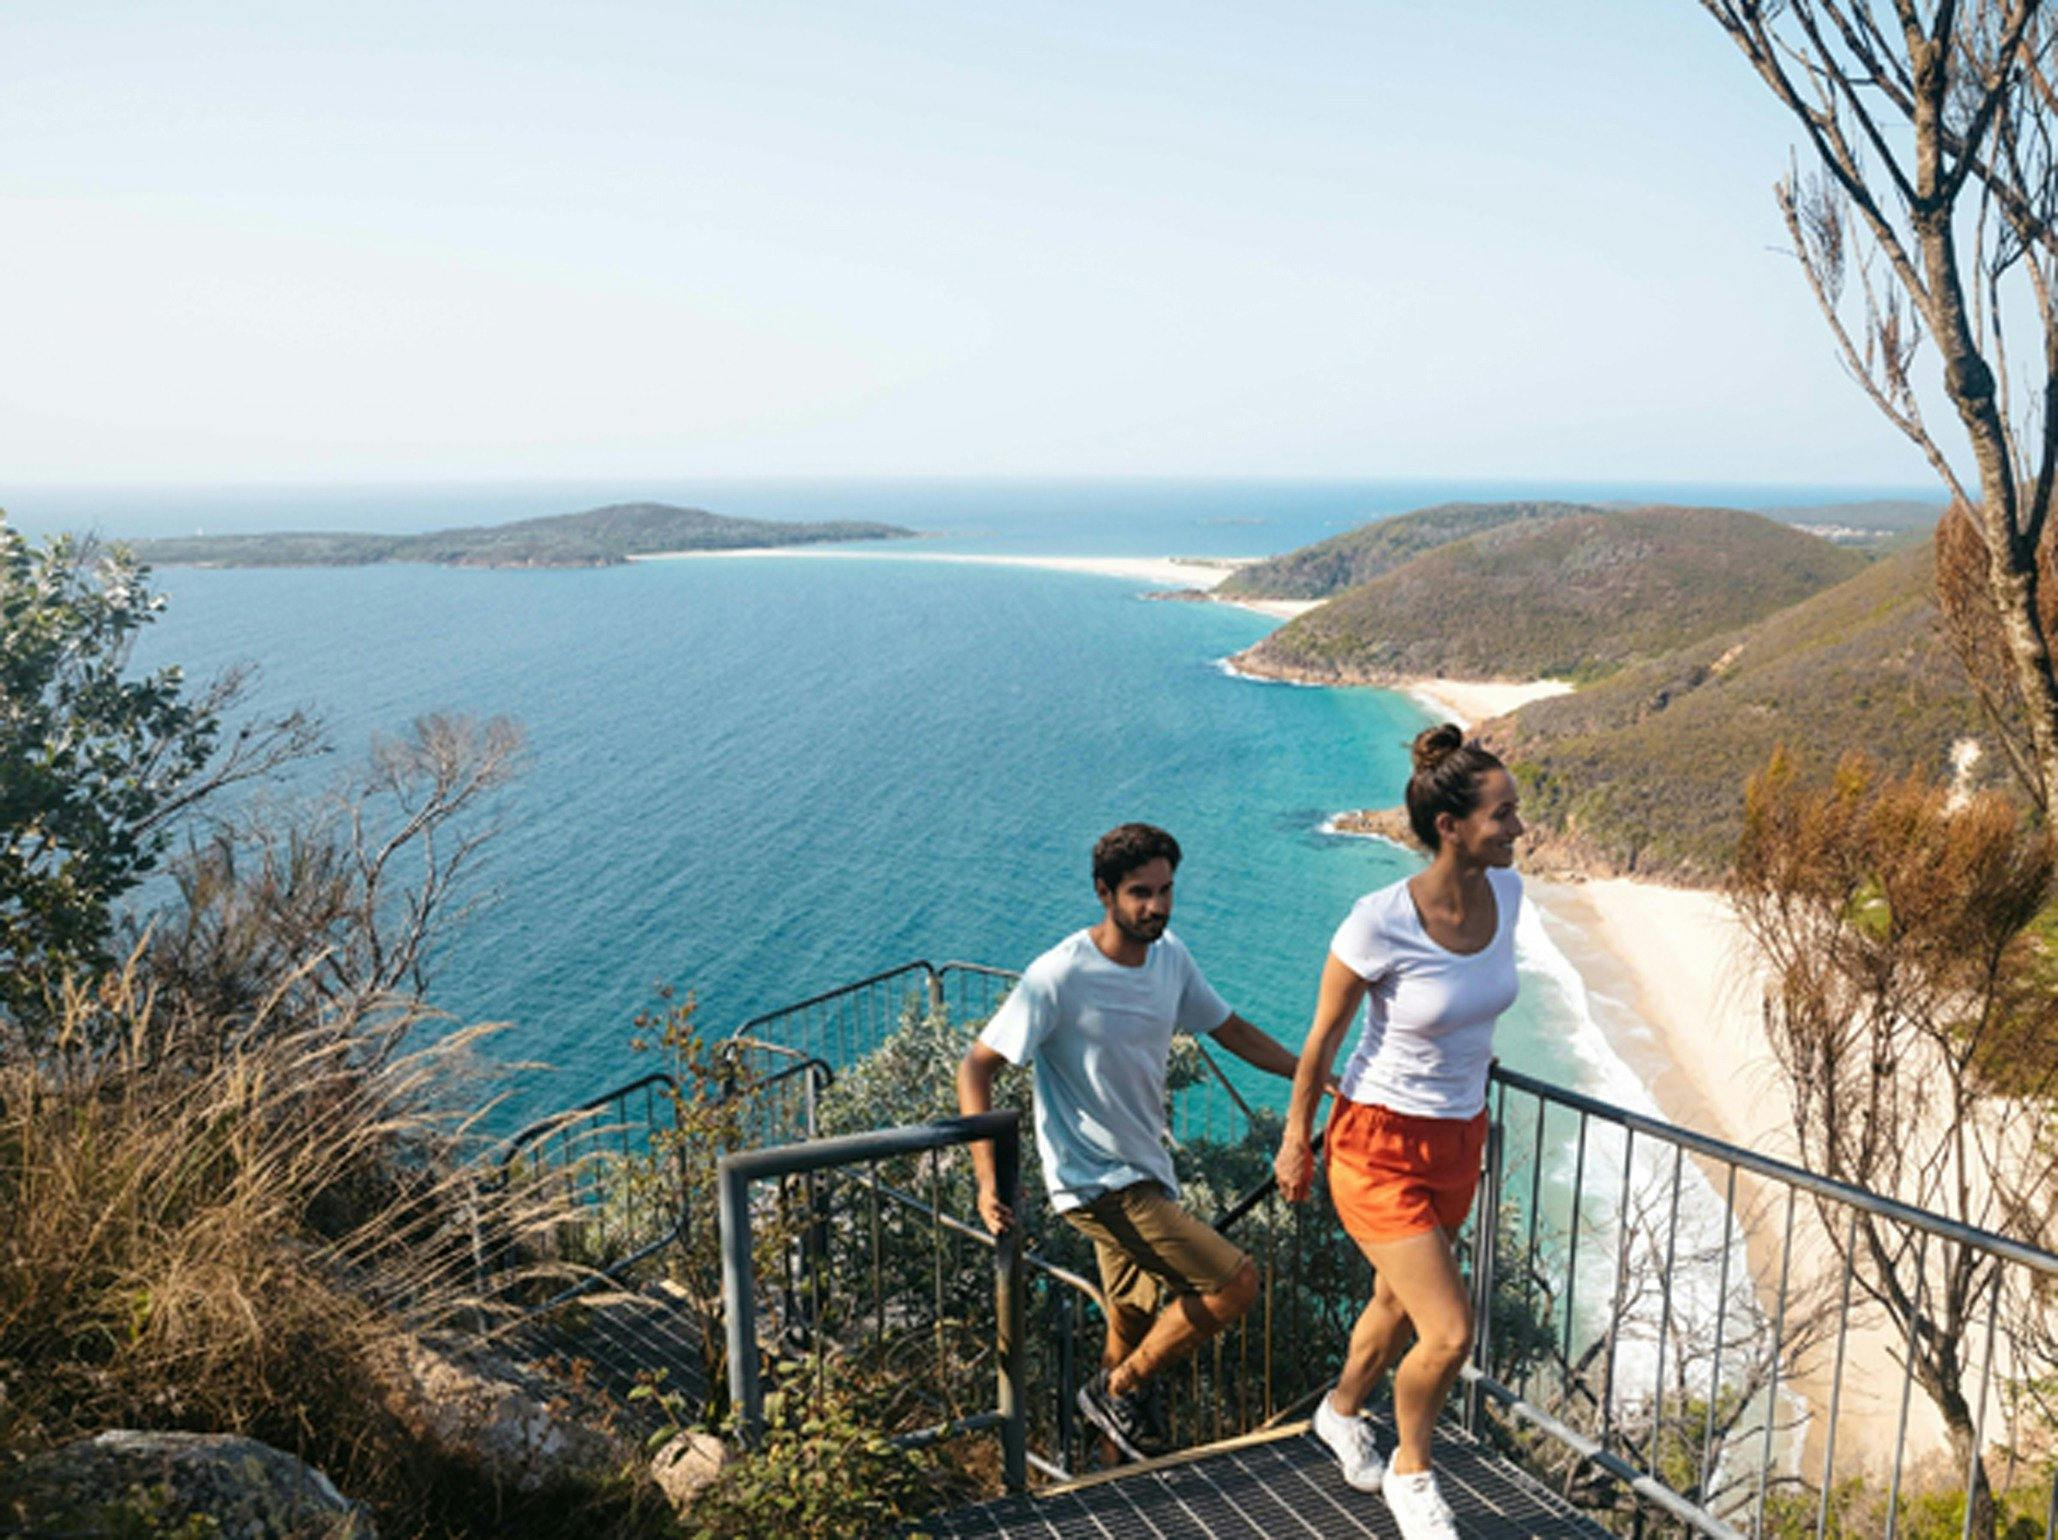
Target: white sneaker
<point>1350,1439</point>
<point>1418,1507</point>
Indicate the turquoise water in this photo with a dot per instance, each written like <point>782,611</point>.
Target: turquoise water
<point>754,779</point>
<point>757,778</point>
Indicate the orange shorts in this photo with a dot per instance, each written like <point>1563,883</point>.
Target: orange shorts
<point>1393,1175</point>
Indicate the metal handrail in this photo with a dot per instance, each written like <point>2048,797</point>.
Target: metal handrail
<point>934,976</point>
<point>1729,1154</point>
<point>739,1287</point>
<point>919,965</point>
<point>818,1072</point>
<point>1779,1170</point>
<point>542,1127</point>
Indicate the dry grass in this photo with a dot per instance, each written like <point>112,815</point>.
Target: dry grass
<point>235,1238</point>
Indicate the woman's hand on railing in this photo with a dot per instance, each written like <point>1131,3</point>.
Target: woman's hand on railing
<point>1294,1166</point>
<point>998,1217</point>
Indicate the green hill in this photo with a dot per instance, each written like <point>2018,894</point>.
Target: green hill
<point>598,537</point>
<point>1644,772</point>
<point>1346,560</point>
<point>1576,596</point>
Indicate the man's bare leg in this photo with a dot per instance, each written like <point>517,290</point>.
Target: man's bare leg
<point>1182,1326</point>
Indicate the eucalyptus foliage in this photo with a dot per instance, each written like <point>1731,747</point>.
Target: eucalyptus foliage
<point>97,761</point>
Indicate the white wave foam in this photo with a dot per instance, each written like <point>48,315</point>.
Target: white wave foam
<point>1334,830</point>
<point>1703,1230</point>
<point>1228,666</point>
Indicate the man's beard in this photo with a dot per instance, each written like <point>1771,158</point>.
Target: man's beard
<point>1142,934</point>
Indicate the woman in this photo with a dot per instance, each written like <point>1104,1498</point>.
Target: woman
<point>1433,960</point>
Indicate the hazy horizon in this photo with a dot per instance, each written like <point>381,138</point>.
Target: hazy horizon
<point>1049,513</point>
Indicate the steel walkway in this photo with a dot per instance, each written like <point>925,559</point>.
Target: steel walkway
<point>1269,1487</point>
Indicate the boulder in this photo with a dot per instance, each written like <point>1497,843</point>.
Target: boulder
<point>508,1421</point>
<point>123,1484</point>
<point>686,1466</point>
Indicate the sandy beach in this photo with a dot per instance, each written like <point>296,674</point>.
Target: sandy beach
<point>1471,701</point>
<point>1676,962</point>
<point>1198,573</point>
<point>1201,573</point>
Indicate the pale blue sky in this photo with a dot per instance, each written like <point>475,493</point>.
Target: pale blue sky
<point>1465,239</point>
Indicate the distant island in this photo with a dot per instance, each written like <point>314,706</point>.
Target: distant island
<point>598,537</point>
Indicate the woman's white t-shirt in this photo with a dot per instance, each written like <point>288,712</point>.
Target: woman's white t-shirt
<point>1430,1012</point>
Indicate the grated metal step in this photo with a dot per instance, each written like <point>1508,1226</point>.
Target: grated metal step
<point>623,1337</point>
<point>1271,1487</point>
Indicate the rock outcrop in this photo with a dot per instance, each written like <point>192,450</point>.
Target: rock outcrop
<point>125,1483</point>
<point>509,1422</point>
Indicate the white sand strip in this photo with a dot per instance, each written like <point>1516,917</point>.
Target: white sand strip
<point>1471,701</point>
<point>1201,573</point>
<point>1278,609</point>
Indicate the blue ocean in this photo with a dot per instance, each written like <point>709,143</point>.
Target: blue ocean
<point>751,779</point>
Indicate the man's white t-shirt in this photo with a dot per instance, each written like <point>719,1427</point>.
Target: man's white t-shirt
<point>1098,1034</point>
<point>1430,1012</point>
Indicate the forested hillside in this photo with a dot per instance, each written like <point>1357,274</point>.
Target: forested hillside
<point>599,537</point>
<point>1344,561</point>
<point>1644,772</point>
<point>1575,596</point>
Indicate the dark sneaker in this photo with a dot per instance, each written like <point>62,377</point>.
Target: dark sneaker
<point>1121,1418</point>
<point>1157,1417</point>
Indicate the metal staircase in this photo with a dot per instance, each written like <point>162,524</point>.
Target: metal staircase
<point>1627,1348</point>
<point>1271,1486</point>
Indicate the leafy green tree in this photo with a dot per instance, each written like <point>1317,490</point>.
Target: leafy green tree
<point>97,764</point>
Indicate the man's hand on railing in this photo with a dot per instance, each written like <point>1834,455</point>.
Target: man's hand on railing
<point>1294,1167</point>
<point>997,1215</point>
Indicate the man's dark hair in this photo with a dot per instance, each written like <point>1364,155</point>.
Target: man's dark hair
<point>1122,850</point>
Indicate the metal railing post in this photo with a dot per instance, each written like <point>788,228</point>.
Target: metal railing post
<point>1009,1346</point>
<point>739,1305</point>
<point>740,1168</point>
<point>1485,1235</point>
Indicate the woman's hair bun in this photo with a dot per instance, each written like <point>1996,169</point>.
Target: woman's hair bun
<point>1433,745</point>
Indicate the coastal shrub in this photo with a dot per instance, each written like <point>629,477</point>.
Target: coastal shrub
<point>240,1241</point>
<point>824,1469</point>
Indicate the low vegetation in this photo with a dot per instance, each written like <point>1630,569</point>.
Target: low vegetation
<point>1643,772</point>
<point>1325,569</point>
<point>239,1239</point>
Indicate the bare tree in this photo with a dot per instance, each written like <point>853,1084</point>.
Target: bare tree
<point>335,903</point>
<point>1912,1013</point>
<point>1933,216</point>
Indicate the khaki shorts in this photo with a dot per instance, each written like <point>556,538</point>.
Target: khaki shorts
<point>1151,1250</point>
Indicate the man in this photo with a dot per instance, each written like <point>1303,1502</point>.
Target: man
<point>1095,1016</point>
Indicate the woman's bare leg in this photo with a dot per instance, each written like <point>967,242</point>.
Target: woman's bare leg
<point>1423,1274</point>
<point>1380,1336</point>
